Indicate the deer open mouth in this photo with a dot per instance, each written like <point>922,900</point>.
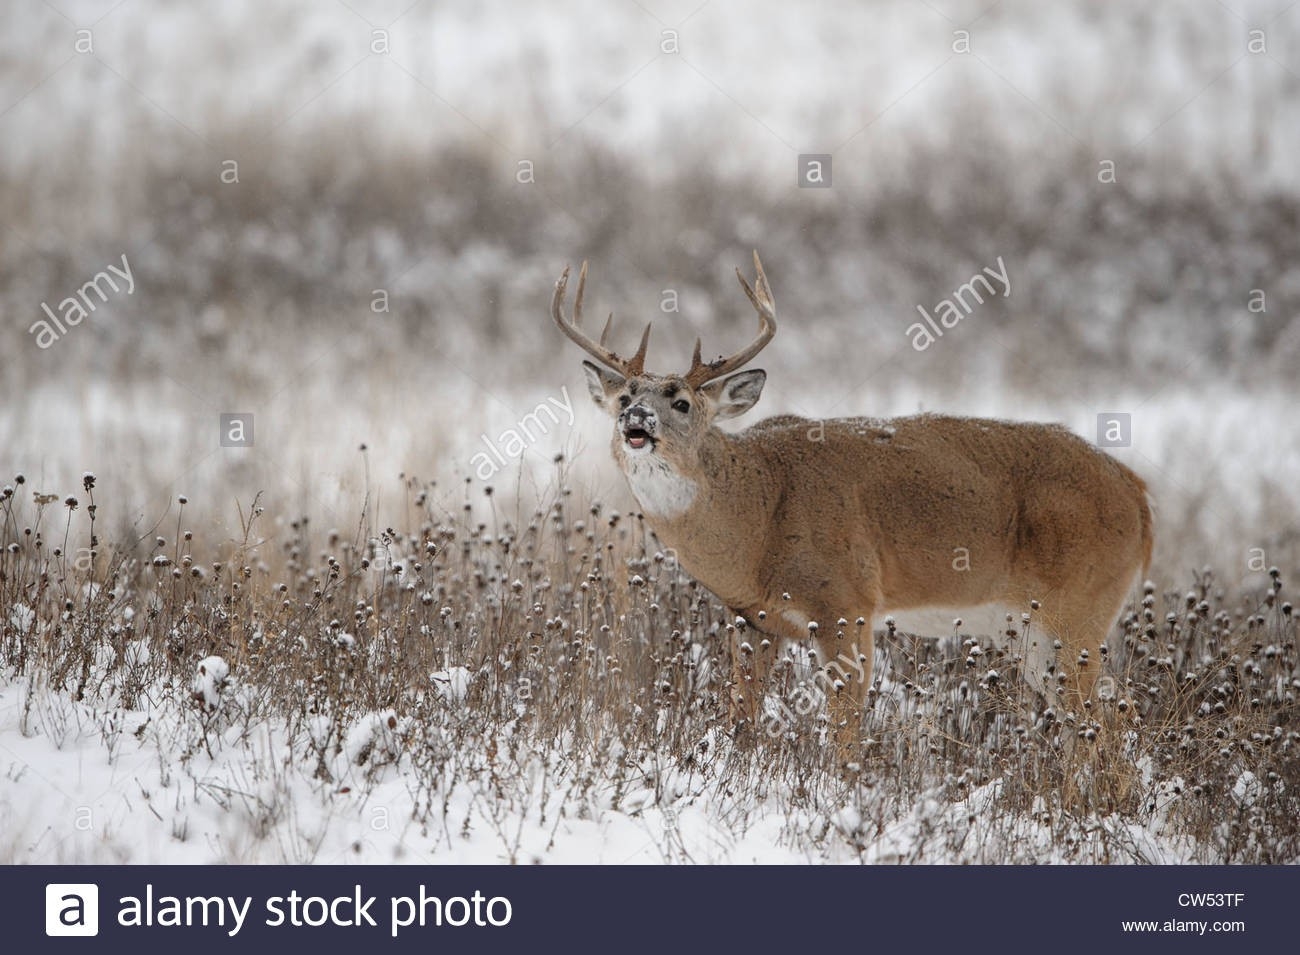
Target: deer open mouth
<point>638,438</point>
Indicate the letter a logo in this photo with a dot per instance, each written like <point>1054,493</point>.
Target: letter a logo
<point>71,908</point>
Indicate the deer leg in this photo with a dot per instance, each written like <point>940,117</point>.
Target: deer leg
<point>842,656</point>
<point>1081,622</point>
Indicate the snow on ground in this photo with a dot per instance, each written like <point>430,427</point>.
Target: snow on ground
<point>81,786</point>
<point>171,783</point>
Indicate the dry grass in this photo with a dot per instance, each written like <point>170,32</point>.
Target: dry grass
<point>538,656</point>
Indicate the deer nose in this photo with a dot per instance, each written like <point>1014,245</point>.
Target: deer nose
<point>639,416</point>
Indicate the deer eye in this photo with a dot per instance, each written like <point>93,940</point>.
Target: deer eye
<point>681,405</point>
<point>624,401</point>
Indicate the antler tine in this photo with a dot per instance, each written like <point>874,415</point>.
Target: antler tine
<point>577,299</point>
<point>762,301</point>
<point>636,364</point>
<point>557,299</point>
<point>760,296</point>
<point>627,367</point>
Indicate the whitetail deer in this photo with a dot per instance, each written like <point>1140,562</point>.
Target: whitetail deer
<point>808,529</point>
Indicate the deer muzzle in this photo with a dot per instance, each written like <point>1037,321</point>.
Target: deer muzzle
<point>639,426</point>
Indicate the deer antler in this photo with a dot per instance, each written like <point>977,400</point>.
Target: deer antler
<point>761,296</point>
<point>627,367</point>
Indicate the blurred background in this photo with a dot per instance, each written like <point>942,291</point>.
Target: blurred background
<point>346,219</point>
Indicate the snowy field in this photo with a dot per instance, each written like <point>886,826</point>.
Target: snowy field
<point>344,220</point>
<point>93,786</point>
<point>547,687</point>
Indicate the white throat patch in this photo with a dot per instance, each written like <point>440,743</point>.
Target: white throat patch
<point>660,490</point>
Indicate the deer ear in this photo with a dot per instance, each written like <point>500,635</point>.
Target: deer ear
<point>735,395</point>
<point>602,383</point>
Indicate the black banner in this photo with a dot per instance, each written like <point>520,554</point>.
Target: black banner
<point>487,909</point>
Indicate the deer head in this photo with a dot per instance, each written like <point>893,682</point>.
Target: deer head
<point>666,417</point>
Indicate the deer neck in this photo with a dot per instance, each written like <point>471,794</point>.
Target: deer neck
<point>667,494</point>
<point>699,508</point>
